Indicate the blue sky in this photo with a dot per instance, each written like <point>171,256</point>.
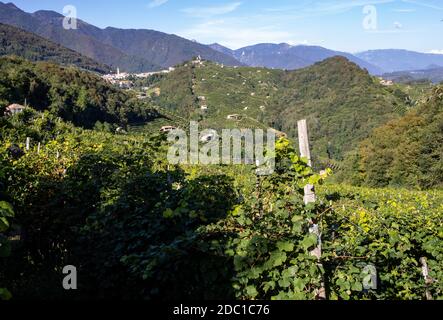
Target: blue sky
<point>335,24</point>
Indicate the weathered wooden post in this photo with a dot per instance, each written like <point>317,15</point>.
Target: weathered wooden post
<point>28,142</point>
<point>303,142</point>
<point>309,196</point>
<point>428,279</point>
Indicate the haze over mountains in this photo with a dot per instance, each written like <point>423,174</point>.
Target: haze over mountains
<point>285,56</point>
<point>146,50</point>
<point>401,60</point>
<point>434,75</point>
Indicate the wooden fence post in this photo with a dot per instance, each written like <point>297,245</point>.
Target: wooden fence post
<point>428,279</point>
<point>28,142</point>
<point>309,197</point>
<point>303,141</point>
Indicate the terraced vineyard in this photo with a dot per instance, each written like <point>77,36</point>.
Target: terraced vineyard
<point>341,102</point>
<point>107,200</point>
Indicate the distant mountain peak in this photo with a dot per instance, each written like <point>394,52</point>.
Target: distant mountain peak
<point>47,14</point>
<point>10,5</point>
<point>134,50</point>
<point>339,62</point>
<point>395,60</point>
<point>220,48</point>
<point>215,44</point>
<point>434,66</point>
<point>289,57</point>
<point>337,59</point>
<point>284,44</point>
<point>16,41</point>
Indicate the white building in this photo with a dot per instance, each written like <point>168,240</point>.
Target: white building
<point>212,135</point>
<point>167,129</point>
<point>14,109</point>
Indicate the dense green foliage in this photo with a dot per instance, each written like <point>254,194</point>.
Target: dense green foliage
<point>136,227</point>
<point>15,41</point>
<point>391,229</point>
<point>6,214</point>
<point>76,96</point>
<point>406,152</point>
<point>225,91</point>
<point>342,103</point>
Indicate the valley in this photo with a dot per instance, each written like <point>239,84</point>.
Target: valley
<point>87,120</point>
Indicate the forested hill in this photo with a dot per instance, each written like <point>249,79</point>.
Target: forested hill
<point>48,24</point>
<point>77,96</point>
<point>129,49</point>
<point>140,228</point>
<point>222,90</point>
<point>405,152</point>
<point>15,41</point>
<point>342,102</point>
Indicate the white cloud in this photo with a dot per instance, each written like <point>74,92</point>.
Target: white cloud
<point>340,6</point>
<point>234,33</point>
<point>326,7</point>
<point>204,12</point>
<point>431,4</point>
<point>436,51</point>
<point>157,3</point>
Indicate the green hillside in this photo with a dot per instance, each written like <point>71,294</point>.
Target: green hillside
<point>77,96</point>
<point>405,152</point>
<point>15,41</point>
<point>342,102</point>
<point>140,228</point>
<point>223,90</point>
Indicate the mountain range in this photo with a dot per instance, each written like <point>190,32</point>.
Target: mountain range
<point>434,75</point>
<point>15,41</point>
<point>341,102</point>
<point>401,60</point>
<point>139,50</point>
<point>285,56</point>
<point>131,50</point>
